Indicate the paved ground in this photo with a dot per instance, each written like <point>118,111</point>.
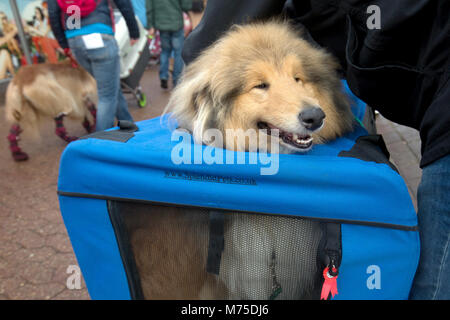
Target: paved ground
<point>35,251</point>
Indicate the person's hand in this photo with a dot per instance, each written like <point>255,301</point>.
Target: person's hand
<point>67,52</point>
<point>133,41</point>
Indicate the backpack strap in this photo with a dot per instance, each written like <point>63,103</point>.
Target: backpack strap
<point>111,13</point>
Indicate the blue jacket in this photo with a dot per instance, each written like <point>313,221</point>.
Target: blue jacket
<point>101,14</point>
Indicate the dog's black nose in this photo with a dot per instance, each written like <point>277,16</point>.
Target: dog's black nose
<point>312,117</point>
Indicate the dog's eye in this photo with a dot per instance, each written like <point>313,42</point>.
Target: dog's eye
<point>262,86</point>
<point>297,79</point>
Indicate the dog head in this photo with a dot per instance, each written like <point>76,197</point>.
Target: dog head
<point>263,76</point>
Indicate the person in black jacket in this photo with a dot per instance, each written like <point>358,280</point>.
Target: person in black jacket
<point>92,42</point>
<point>400,66</point>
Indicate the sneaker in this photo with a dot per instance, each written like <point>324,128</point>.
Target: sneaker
<point>164,84</point>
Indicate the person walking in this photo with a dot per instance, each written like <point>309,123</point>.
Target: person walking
<point>93,45</point>
<point>167,17</point>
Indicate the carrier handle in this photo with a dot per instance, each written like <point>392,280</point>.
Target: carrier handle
<point>123,134</point>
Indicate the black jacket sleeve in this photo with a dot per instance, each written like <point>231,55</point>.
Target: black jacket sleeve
<point>220,15</point>
<point>126,9</point>
<point>54,13</point>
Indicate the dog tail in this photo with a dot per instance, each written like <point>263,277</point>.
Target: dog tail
<point>13,102</point>
<point>19,110</point>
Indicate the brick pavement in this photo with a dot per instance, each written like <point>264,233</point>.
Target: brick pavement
<point>35,251</point>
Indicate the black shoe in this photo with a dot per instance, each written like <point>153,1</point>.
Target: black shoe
<point>164,84</point>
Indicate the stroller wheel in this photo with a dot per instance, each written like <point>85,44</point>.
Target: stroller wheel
<point>142,99</point>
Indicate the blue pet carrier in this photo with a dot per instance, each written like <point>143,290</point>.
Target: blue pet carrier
<point>121,191</point>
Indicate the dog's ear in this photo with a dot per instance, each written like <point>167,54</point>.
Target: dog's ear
<point>192,103</point>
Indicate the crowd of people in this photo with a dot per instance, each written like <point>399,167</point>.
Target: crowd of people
<point>51,40</point>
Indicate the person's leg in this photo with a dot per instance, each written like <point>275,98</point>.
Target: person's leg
<point>122,107</point>
<point>166,48</point>
<point>432,280</point>
<point>177,45</point>
<point>103,64</point>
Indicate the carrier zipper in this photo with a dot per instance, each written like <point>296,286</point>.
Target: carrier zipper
<point>330,256</point>
<point>330,274</point>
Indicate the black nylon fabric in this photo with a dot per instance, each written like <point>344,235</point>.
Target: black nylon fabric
<point>369,148</point>
<point>402,69</point>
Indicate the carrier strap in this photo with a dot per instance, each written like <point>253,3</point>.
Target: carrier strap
<point>330,256</point>
<point>216,241</point>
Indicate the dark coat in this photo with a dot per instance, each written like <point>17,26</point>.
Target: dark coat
<point>402,69</point>
<point>166,15</point>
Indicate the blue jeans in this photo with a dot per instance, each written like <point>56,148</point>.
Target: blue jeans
<point>432,280</point>
<point>171,41</point>
<point>104,65</point>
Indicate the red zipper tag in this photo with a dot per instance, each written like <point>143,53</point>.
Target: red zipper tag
<point>329,284</point>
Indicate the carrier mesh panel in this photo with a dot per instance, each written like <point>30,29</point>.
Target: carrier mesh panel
<point>264,256</point>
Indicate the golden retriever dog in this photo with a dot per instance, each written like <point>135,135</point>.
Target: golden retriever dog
<point>49,90</point>
<point>262,77</point>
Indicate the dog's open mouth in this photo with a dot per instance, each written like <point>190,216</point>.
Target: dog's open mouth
<point>300,141</point>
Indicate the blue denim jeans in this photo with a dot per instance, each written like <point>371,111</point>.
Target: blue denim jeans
<point>432,280</point>
<point>104,65</point>
<point>171,41</point>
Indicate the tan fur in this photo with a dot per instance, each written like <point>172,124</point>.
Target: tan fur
<point>165,271</point>
<point>217,90</point>
<point>47,90</point>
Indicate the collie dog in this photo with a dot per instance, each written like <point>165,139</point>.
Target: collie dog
<point>265,77</point>
<point>49,90</point>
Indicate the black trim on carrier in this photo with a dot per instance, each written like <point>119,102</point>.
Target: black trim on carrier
<point>370,148</point>
<point>216,241</point>
<point>355,222</point>
<point>123,134</point>
<point>123,242</point>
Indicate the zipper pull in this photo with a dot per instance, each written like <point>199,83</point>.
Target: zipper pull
<point>329,283</point>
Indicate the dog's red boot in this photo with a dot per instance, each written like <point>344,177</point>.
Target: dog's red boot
<point>61,130</point>
<point>93,111</point>
<point>89,128</point>
<point>13,138</point>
